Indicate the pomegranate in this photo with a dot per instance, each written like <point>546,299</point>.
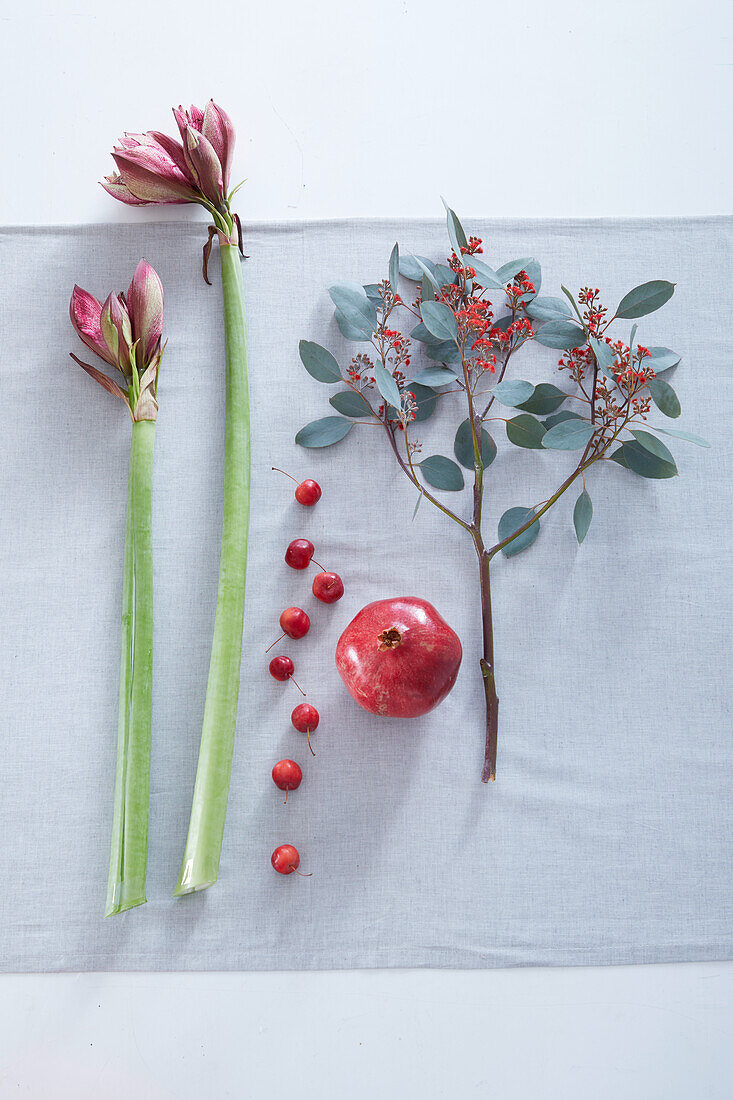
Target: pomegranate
<point>399,658</point>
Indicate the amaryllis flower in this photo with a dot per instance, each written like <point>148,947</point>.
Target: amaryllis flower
<point>126,333</point>
<point>155,168</point>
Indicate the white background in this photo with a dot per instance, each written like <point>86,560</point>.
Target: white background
<point>524,108</point>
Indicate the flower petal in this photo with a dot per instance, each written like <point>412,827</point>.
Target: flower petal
<point>115,187</point>
<point>205,165</point>
<point>146,182</point>
<point>217,128</point>
<point>145,304</point>
<point>85,313</point>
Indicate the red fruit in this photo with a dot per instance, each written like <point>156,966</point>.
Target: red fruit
<point>305,718</point>
<point>308,492</point>
<point>399,658</point>
<point>294,622</point>
<point>287,775</point>
<point>328,587</point>
<point>299,553</point>
<point>285,859</point>
<point>282,668</point>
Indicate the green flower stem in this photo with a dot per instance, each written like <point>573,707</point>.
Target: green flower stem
<point>129,849</point>
<point>200,866</point>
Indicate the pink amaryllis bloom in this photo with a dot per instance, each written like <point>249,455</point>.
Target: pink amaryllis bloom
<point>125,331</point>
<point>155,168</point>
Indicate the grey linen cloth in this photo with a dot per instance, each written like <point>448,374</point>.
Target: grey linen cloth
<point>606,837</point>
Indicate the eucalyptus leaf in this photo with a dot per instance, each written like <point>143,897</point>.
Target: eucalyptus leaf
<point>428,290</point>
<point>650,443</point>
<point>372,292</point>
<point>319,362</point>
<point>428,272</point>
<point>570,435</point>
<point>545,399</point>
<point>417,505</point>
<point>350,403</point>
<point>562,335</point>
<point>559,418</point>
<point>511,521</point>
<point>512,393</point>
<point>442,473</point>
<point>426,400</point>
<point>445,352</point>
<point>642,461</point>
<point>645,299</point>
<point>351,301</point>
<point>394,268</point>
<point>463,446</point>
<point>324,432</point>
<point>411,269</point>
<point>663,358</point>
<point>434,376</point>
<point>486,275</point>
<point>348,331</point>
<point>525,431</point>
<point>582,515</point>
<point>423,335</point>
<point>605,358</point>
<point>456,234</point>
<point>503,323</point>
<point>444,275</point>
<point>439,319</point>
<point>678,434</point>
<point>507,271</point>
<point>548,309</point>
<point>386,385</point>
<point>664,397</point>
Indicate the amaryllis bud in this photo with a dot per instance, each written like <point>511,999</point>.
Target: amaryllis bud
<point>145,306</point>
<point>85,312</point>
<point>117,332</point>
<point>193,117</point>
<point>118,189</point>
<point>217,128</point>
<point>150,174</point>
<point>205,166</point>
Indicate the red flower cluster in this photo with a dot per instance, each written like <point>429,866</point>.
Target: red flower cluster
<point>594,312</point>
<point>473,248</point>
<point>518,288</point>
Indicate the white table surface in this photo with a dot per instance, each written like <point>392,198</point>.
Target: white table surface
<point>349,109</point>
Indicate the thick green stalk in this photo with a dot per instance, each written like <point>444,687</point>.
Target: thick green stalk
<point>129,850</point>
<point>200,865</point>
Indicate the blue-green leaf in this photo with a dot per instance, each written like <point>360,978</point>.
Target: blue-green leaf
<point>652,444</point>
<point>525,431</point>
<point>394,268</point>
<point>645,298</point>
<point>434,376</point>
<point>512,393</point>
<point>561,335</point>
<point>582,515</point>
<point>545,399</point>
<point>664,397</point>
<point>486,275</point>
<point>456,234</point>
<point>463,446</point>
<point>352,303</point>
<point>421,333</point>
<point>322,433</point>
<point>445,352</point>
<point>570,435</point>
<point>558,418</point>
<point>605,358</point>
<point>507,271</point>
<point>386,385</point>
<point>643,461</point>
<point>350,403</point>
<point>372,292</point>
<point>510,522</point>
<point>439,319</point>
<point>348,331</point>
<point>319,362</point>
<point>663,359</point>
<point>444,275</point>
<point>411,269</point>
<point>426,399</point>
<point>428,272</point>
<point>678,434</point>
<point>548,309</point>
<point>442,473</point>
<point>428,289</point>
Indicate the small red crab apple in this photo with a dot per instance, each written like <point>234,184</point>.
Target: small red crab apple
<point>282,668</point>
<point>328,587</point>
<point>294,622</point>
<point>287,775</point>
<point>299,553</point>
<point>307,492</point>
<point>286,859</point>
<point>305,718</point>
